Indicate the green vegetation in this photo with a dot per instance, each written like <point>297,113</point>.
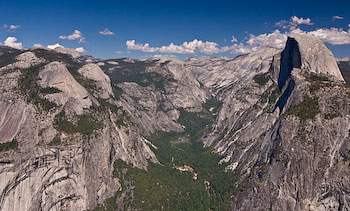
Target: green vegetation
<point>270,95</point>
<point>303,135</point>
<point>29,88</point>
<point>345,155</point>
<point>109,205</point>
<point>49,90</point>
<point>262,79</point>
<point>213,103</point>
<point>317,85</point>
<point>194,124</point>
<point>280,156</point>
<point>123,119</point>
<point>9,57</point>
<point>55,141</point>
<point>85,124</point>
<point>51,56</point>
<point>105,105</point>
<point>307,109</point>
<point>274,94</point>
<point>334,107</point>
<point>117,91</point>
<point>317,77</point>
<point>136,72</point>
<point>162,187</point>
<point>317,82</point>
<point>9,145</point>
<point>331,115</point>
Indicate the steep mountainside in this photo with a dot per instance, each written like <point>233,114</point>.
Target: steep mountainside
<point>263,131</point>
<point>344,66</point>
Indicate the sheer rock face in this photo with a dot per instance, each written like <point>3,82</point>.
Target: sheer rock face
<point>287,159</point>
<point>43,181</point>
<point>143,103</point>
<point>316,57</point>
<point>52,169</point>
<point>12,116</point>
<point>57,75</point>
<point>103,82</point>
<point>220,73</point>
<point>179,96</point>
<point>242,120</point>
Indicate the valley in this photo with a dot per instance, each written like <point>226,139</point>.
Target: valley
<point>79,133</point>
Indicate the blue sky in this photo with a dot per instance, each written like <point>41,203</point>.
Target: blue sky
<point>196,28</point>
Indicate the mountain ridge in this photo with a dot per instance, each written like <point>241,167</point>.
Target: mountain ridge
<point>81,130</point>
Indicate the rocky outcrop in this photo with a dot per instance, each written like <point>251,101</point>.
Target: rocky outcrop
<point>316,57</point>
<point>222,73</point>
<point>47,180</point>
<point>103,83</point>
<point>12,117</point>
<point>178,95</point>
<point>27,59</point>
<point>69,51</point>
<point>57,75</point>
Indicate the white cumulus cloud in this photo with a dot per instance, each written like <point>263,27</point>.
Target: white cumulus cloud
<point>336,17</point>
<point>106,31</point>
<point>77,35</point>
<point>333,36</point>
<point>80,50</point>
<point>12,27</point>
<point>164,56</point>
<point>293,22</point>
<point>274,39</point>
<point>299,21</point>
<point>37,45</point>
<point>11,42</point>
<point>66,50</point>
<point>234,39</point>
<point>191,47</point>
<point>57,45</point>
<point>241,48</point>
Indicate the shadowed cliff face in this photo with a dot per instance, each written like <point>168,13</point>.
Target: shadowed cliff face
<point>290,58</point>
<point>344,66</point>
<point>304,167</point>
